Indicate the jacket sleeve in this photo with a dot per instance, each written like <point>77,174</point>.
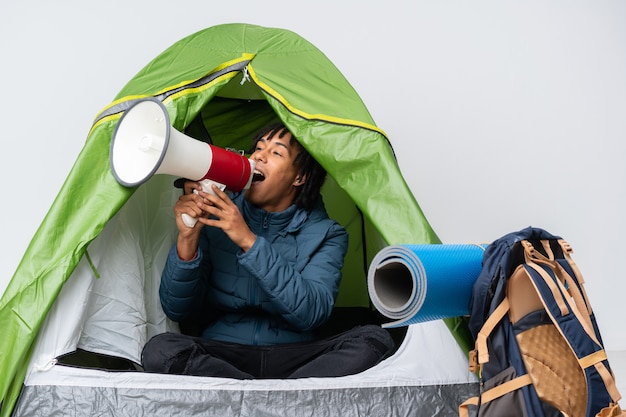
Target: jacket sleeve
<point>183,284</point>
<point>304,297</point>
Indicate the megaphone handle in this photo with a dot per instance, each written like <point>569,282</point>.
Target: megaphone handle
<point>188,220</point>
<point>206,187</point>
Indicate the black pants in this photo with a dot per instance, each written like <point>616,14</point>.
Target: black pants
<point>345,354</point>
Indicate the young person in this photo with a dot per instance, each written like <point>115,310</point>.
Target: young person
<point>258,274</point>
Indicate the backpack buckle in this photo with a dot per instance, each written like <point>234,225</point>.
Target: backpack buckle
<point>473,360</point>
<point>528,248</point>
<point>567,248</point>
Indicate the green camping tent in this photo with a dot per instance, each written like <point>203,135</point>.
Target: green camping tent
<point>221,84</point>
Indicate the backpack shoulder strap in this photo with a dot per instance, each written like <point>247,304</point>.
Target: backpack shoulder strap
<point>496,316</point>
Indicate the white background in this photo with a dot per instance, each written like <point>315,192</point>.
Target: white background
<point>503,114</point>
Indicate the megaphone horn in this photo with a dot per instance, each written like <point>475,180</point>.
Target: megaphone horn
<point>144,144</point>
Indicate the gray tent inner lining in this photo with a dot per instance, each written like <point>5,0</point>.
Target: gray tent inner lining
<point>69,401</point>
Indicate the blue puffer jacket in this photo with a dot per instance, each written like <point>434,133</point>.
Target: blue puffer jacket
<point>278,292</point>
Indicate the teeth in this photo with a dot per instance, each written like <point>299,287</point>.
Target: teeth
<point>258,176</point>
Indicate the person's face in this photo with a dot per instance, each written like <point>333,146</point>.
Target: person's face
<point>276,179</point>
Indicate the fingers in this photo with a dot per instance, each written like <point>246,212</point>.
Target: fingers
<point>218,210</point>
<point>197,203</point>
<point>187,204</point>
<point>216,198</point>
<point>190,186</point>
<point>218,192</point>
<point>202,205</point>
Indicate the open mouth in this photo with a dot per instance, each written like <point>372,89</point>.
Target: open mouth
<point>258,176</point>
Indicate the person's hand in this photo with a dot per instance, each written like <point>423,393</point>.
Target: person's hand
<point>189,186</point>
<point>188,237</point>
<point>189,204</point>
<point>226,216</point>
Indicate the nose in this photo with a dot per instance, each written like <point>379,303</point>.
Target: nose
<point>258,155</point>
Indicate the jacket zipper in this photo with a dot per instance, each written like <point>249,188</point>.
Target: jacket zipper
<point>252,290</point>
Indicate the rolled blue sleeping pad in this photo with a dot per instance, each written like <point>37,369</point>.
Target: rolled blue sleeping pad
<point>417,283</point>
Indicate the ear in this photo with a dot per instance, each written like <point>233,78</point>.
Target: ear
<point>300,180</point>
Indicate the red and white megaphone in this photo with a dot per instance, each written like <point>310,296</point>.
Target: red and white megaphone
<point>144,144</point>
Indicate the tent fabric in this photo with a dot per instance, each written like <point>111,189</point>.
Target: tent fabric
<point>428,372</point>
<point>422,378</point>
<point>375,401</point>
<point>222,83</point>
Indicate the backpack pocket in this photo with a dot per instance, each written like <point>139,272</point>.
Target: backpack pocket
<point>511,404</point>
<point>553,368</point>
